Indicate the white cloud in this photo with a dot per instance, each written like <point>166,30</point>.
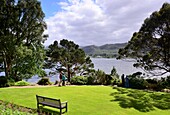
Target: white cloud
<point>98,22</point>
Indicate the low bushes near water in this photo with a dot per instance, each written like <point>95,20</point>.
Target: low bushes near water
<point>116,82</point>
<point>79,80</point>
<point>95,77</point>
<point>92,80</point>
<point>137,81</point>
<point>44,81</point>
<point>84,80</point>
<point>5,82</point>
<point>22,83</point>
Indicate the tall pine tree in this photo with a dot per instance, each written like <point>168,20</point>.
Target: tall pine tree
<point>21,37</point>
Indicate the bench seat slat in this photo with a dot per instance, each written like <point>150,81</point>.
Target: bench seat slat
<point>50,104</point>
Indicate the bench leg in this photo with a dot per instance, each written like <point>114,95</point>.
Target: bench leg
<point>66,107</point>
<point>37,107</point>
<point>60,111</point>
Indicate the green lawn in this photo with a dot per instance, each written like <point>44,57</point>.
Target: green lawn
<point>94,100</point>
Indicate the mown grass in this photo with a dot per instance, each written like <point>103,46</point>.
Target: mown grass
<point>94,100</point>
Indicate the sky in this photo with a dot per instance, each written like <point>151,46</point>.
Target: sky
<point>96,22</point>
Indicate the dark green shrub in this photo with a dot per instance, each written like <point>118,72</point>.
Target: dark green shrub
<point>152,81</point>
<point>152,84</point>
<point>136,81</point>
<point>4,82</point>
<point>44,81</point>
<point>90,80</point>
<point>116,81</point>
<point>10,82</point>
<point>56,82</point>
<point>100,77</point>
<point>158,84</point>
<point>168,81</point>
<point>108,79</point>
<point>79,80</point>
<point>22,83</point>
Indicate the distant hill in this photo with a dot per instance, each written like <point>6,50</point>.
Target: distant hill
<point>106,51</point>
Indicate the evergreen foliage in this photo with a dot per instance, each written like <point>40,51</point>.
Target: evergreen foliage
<point>21,38</point>
<point>44,81</point>
<point>150,46</point>
<point>68,55</point>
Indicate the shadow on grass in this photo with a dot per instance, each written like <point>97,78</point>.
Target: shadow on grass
<point>142,101</point>
<point>48,111</point>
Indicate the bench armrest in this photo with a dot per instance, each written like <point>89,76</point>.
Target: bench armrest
<point>64,102</point>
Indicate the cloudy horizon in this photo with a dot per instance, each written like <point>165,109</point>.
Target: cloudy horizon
<point>98,22</point>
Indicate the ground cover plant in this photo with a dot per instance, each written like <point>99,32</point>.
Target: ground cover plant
<point>4,110</point>
<point>94,100</point>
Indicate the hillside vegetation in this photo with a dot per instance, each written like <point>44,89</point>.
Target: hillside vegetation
<point>106,51</point>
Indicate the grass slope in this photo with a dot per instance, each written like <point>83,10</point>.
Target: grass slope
<point>94,100</point>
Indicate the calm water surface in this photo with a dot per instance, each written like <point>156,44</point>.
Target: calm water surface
<point>122,66</point>
<point>105,64</point>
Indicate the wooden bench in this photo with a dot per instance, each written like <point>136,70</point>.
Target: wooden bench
<point>46,101</point>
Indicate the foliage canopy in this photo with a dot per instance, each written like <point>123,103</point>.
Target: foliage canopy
<point>150,46</point>
<point>68,54</point>
<point>21,37</point>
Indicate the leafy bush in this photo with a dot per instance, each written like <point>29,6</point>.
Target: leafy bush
<point>44,81</point>
<point>79,80</point>
<point>4,110</point>
<point>4,82</point>
<point>108,79</point>
<point>90,80</point>
<point>116,81</point>
<point>101,77</point>
<point>168,81</point>
<point>10,82</point>
<point>158,85</point>
<point>136,81</point>
<point>22,83</point>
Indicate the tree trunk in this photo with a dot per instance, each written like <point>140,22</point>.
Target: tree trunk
<point>8,66</point>
<point>68,71</point>
<point>5,64</point>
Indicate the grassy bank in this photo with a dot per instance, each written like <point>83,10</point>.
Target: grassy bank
<point>94,100</point>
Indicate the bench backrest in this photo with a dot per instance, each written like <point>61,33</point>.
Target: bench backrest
<point>55,102</point>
